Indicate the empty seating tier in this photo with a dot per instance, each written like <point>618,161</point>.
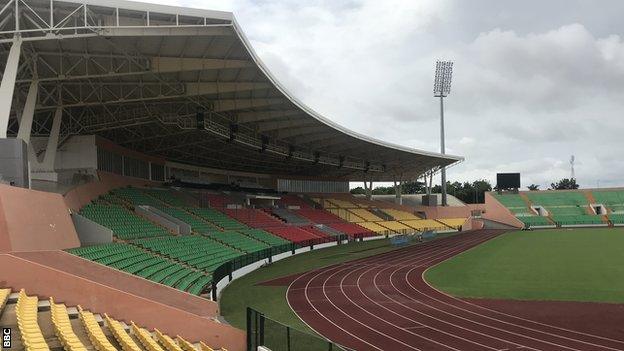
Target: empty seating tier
<point>319,216</point>
<point>136,196</point>
<point>366,215</point>
<point>254,218</point>
<point>346,215</point>
<point>136,261</point>
<point>617,218</point>
<point>168,196</point>
<point>26,314</point>
<point>294,234</point>
<point>396,227</point>
<point>612,199</point>
<point>399,215</point>
<point>532,221</point>
<point>196,251</point>
<point>217,218</point>
<point>237,240</point>
<point>264,236</point>
<point>565,207</point>
<point>124,223</point>
<point>63,328</point>
<point>454,223</point>
<point>424,224</point>
<point>166,341</point>
<point>351,229</point>
<point>197,224</point>
<point>96,335</point>
<point>145,338</point>
<point>120,334</point>
<point>40,330</point>
<point>376,228</point>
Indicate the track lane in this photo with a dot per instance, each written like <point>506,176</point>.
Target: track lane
<point>383,303</point>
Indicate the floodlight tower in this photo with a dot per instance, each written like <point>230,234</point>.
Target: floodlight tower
<point>441,89</point>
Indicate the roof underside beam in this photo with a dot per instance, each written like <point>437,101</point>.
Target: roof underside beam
<point>253,116</point>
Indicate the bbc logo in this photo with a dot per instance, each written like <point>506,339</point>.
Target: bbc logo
<point>6,338</point>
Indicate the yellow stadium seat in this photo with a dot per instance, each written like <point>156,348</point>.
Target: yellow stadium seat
<point>400,215</point>
<point>95,333</point>
<point>4,297</point>
<point>185,345</point>
<point>26,312</point>
<point>346,215</point>
<point>63,328</point>
<point>167,341</point>
<point>425,224</point>
<point>120,334</point>
<point>342,203</point>
<point>204,347</point>
<point>366,215</point>
<point>376,228</point>
<point>453,222</point>
<point>146,339</point>
<point>396,226</point>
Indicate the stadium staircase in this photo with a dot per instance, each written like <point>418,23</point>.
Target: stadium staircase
<point>47,324</point>
<point>289,216</point>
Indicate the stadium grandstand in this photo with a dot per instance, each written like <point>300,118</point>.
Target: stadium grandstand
<point>156,155</point>
<point>149,158</point>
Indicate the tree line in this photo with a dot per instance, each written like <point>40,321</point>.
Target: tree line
<point>468,192</point>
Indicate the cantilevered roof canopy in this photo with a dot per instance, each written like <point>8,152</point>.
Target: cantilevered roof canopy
<point>138,74</point>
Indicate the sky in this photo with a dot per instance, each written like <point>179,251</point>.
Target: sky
<point>534,82</point>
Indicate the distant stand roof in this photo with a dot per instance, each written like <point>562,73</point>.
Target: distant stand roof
<point>139,74</point>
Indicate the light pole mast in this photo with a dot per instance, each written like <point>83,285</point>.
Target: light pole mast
<point>441,89</point>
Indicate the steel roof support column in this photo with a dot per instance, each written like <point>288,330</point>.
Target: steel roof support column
<point>8,85</point>
<point>50,154</point>
<point>25,126</point>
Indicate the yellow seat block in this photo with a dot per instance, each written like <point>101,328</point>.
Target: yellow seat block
<point>167,341</point>
<point>120,334</point>
<point>366,215</point>
<point>453,222</point>
<point>145,337</point>
<point>425,224</point>
<point>185,345</point>
<point>400,215</point>
<point>376,228</point>
<point>95,333</point>
<point>396,226</point>
<point>63,329</point>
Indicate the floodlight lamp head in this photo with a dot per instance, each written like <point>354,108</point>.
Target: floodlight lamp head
<point>443,77</point>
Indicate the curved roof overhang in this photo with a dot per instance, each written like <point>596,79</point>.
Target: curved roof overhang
<point>138,74</point>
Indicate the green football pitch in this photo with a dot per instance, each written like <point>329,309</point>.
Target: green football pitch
<point>581,264</point>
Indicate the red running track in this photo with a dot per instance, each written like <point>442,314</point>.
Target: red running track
<point>383,303</point>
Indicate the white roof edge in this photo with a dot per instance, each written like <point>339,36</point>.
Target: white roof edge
<point>318,116</point>
<point>157,8</point>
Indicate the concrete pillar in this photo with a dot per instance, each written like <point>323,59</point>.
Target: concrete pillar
<point>50,154</point>
<point>398,199</point>
<point>368,186</point>
<point>7,86</point>
<point>25,126</point>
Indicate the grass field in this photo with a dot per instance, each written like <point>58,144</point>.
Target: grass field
<point>582,264</point>
<point>271,300</point>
